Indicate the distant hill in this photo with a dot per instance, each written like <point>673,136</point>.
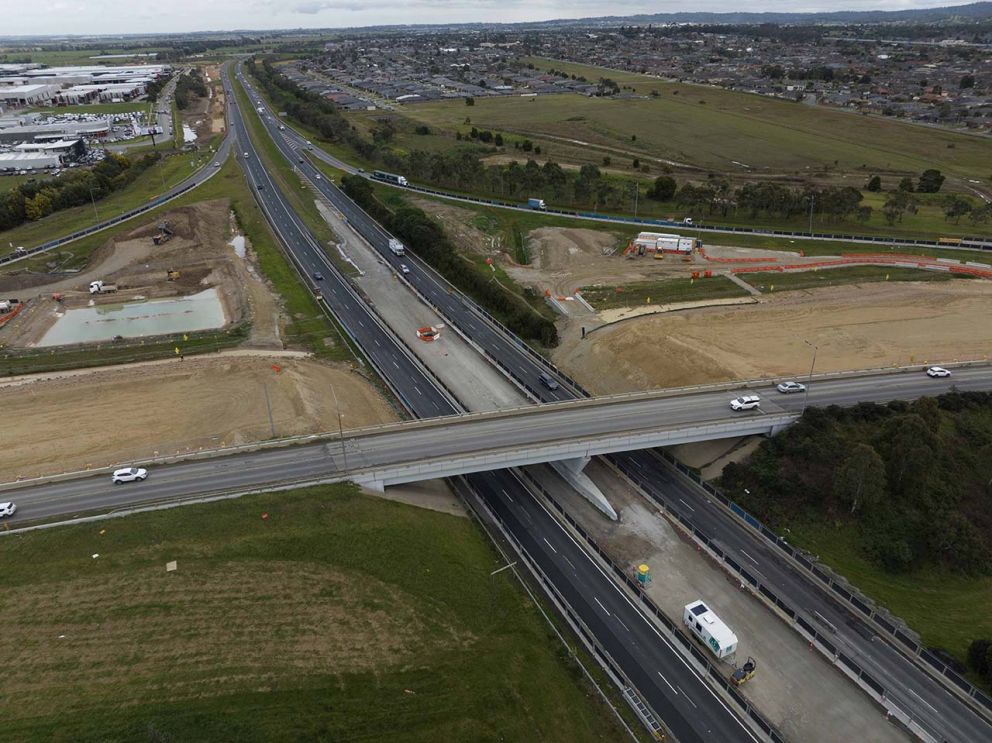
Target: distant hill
<point>972,11</point>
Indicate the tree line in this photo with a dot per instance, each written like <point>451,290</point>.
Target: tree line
<point>36,199</point>
<point>309,108</point>
<point>189,86</point>
<point>425,237</point>
<point>912,479</point>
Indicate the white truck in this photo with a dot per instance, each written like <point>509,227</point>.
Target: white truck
<point>709,630</point>
<point>537,204</point>
<point>101,287</point>
<point>396,246</point>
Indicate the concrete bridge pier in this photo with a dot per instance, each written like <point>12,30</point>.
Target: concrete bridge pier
<point>571,470</point>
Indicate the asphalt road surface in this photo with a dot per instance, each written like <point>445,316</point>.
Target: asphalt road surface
<point>934,706</point>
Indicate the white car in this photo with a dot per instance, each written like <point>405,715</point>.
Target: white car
<point>7,510</point>
<point>745,402</point>
<point>129,474</point>
<point>404,268</point>
<point>938,371</point>
<point>786,387</point>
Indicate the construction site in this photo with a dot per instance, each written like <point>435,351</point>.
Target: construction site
<point>653,310</point>
<point>258,390</point>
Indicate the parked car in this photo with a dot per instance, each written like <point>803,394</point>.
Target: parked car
<point>788,387</point>
<point>129,474</point>
<point>745,402</point>
<point>548,381</point>
<point>938,371</point>
<point>7,510</point>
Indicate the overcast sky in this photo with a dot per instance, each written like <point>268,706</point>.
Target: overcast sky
<point>129,16</point>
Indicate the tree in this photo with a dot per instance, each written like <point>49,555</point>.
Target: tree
<point>978,656</point>
<point>968,81</point>
<point>874,184</point>
<point>956,208</point>
<point>38,206</point>
<point>470,101</point>
<point>607,161</point>
<point>636,164</point>
<point>930,181</point>
<point>860,480</point>
<point>664,188</point>
<point>906,184</point>
<point>498,139</point>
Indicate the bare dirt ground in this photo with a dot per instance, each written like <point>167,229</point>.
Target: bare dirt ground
<point>199,250</point>
<point>72,421</point>
<point>855,327</point>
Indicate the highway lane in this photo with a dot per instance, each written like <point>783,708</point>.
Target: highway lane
<point>348,308</point>
<point>941,711</point>
<point>522,429</point>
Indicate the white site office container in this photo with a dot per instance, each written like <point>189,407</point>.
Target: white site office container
<point>708,627</point>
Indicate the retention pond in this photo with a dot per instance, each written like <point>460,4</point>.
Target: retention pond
<point>201,311</point>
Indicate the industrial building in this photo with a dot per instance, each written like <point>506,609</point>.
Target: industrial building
<point>96,129</point>
<point>16,161</point>
<point>13,96</point>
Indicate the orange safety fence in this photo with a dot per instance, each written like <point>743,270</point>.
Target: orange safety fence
<point>8,316</point>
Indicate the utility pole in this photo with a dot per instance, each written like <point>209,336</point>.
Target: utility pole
<point>812,200</point>
<point>337,408</point>
<point>93,201</point>
<point>637,192</point>
<point>809,381</point>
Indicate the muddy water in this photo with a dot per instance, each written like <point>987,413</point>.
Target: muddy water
<point>201,311</point>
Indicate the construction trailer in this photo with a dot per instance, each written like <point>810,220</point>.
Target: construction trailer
<point>709,629</point>
<point>658,242</point>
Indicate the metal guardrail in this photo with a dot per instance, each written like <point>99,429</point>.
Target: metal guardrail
<point>966,242</point>
<point>688,645</point>
<point>838,588</point>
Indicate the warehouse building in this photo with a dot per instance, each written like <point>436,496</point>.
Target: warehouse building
<point>64,130</point>
<point>17,161</point>
<point>27,95</point>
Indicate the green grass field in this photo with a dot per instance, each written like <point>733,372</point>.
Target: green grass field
<point>948,610</point>
<point>775,281</point>
<point>712,128</point>
<point>338,617</point>
<point>664,291</point>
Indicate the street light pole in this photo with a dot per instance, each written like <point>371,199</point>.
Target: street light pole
<point>337,408</point>
<point>93,201</point>
<point>809,381</point>
<point>812,200</point>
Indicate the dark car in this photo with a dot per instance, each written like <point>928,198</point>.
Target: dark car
<point>318,275</point>
<point>548,381</point>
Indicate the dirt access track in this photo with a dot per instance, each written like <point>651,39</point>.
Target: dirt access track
<point>98,417</point>
<point>854,327</point>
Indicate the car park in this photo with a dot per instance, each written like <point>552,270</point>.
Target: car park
<point>938,371</point>
<point>745,402</point>
<point>7,510</point>
<point>129,474</point>
<point>788,387</point>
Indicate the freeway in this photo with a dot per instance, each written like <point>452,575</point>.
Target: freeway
<point>670,687</point>
<point>933,705</point>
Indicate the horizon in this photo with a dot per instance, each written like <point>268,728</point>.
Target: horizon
<point>81,18</point>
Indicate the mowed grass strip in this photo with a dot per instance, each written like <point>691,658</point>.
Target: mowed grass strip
<point>337,617</point>
<point>664,291</point>
<point>814,279</point>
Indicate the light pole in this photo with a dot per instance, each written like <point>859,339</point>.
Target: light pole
<point>809,381</point>
<point>637,192</point>
<point>812,200</point>
<point>93,201</point>
<point>337,408</point>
